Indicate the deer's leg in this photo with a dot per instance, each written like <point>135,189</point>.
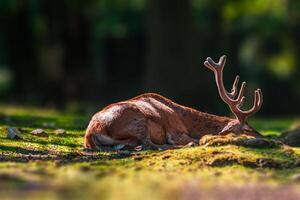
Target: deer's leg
<point>178,138</point>
<point>156,132</point>
<point>156,138</point>
<point>148,144</point>
<point>177,133</point>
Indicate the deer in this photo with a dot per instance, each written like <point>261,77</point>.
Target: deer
<point>151,121</point>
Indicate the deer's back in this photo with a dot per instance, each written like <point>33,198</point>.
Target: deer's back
<point>150,106</point>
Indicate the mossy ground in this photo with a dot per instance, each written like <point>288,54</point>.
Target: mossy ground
<point>57,167</point>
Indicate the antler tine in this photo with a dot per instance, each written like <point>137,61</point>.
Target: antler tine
<point>256,104</point>
<point>234,90</point>
<point>222,61</point>
<point>258,99</point>
<point>241,93</point>
<point>241,103</point>
<point>209,63</point>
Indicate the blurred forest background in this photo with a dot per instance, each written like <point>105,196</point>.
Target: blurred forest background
<point>79,55</point>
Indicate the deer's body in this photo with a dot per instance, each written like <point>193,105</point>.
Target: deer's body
<point>150,120</point>
<point>153,121</point>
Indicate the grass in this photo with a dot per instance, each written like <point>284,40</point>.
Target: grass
<point>57,167</point>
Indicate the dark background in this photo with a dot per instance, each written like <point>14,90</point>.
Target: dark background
<point>79,55</point>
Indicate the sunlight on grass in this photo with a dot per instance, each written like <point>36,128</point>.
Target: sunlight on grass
<point>57,166</point>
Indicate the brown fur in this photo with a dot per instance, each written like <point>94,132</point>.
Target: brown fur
<point>154,121</point>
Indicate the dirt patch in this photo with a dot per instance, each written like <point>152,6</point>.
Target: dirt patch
<point>238,140</point>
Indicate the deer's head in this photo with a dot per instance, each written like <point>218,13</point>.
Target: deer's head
<point>235,100</point>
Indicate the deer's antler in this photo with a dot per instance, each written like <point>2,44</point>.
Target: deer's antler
<point>230,99</point>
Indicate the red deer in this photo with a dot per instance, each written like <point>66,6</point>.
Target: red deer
<point>151,121</point>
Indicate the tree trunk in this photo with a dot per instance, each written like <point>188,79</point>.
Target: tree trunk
<point>170,58</point>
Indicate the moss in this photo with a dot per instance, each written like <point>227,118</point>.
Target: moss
<point>58,167</point>
<point>241,140</point>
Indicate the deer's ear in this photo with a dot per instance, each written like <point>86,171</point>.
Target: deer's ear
<point>226,129</point>
<point>230,127</point>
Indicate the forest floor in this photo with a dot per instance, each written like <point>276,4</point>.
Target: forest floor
<point>57,167</point>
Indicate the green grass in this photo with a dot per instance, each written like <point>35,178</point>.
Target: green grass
<point>57,167</point>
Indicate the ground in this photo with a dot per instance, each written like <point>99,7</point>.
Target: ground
<point>57,166</point>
